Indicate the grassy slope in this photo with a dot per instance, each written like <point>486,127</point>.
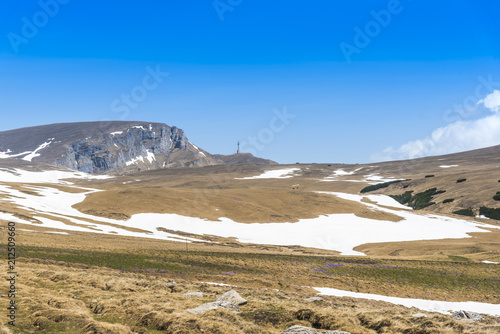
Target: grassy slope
<point>123,290</point>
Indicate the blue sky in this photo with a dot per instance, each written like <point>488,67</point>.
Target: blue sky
<point>363,80</point>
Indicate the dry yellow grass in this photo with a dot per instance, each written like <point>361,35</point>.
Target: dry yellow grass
<point>64,298</point>
<point>247,205</point>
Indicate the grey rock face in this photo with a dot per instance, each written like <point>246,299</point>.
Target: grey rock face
<point>122,148</point>
<point>467,315</point>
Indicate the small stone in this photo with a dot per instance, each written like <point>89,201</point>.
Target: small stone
<point>419,315</point>
<point>193,294</point>
<point>213,306</point>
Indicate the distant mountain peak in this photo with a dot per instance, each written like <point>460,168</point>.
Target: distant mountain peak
<point>100,147</point>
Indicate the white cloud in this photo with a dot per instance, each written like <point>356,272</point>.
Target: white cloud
<point>492,101</point>
<point>455,137</point>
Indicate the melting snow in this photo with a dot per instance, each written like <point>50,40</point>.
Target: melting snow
<point>370,178</point>
<point>448,166</point>
<point>340,232</point>
<point>339,172</point>
<point>35,153</point>
<point>423,304</point>
<point>5,155</point>
<point>52,176</point>
<point>116,133</point>
<point>196,147</point>
<point>490,262</point>
<point>149,156</point>
<point>273,174</point>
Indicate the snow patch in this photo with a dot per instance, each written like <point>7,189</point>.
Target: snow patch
<point>5,155</point>
<point>35,153</point>
<point>423,304</point>
<point>149,156</point>
<point>116,133</point>
<point>273,174</point>
<point>448,166</point>
<point>370,178</point>
<point>490,262</point>
<point>196,147</point>
<point>49,176</point>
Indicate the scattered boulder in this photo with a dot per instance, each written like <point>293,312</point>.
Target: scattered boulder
<point>193,294</point>
<point>231,297</point>
<point>467,315</point>
<point>419,315</point>
<point>213,306</point>
<point>230,300</point>
<point>300,330</point>
<point>314,299</point>
<point>308,330</point>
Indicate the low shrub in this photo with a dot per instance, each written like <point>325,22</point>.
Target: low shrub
<point>497,196</point>
<point>461,180</point>
<point>490,212</point>
<point>465,212</point>
<point>427,176</point>
<point>403,198</point>
<point>448,200</point>
<point>374,187</point>
<point>420,200</point>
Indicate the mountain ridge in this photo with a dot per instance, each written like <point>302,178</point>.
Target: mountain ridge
<point>107,146</point>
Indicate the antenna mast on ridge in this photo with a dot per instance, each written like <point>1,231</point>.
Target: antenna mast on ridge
<point>238,148</point>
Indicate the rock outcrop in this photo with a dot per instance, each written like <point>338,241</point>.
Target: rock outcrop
<point>230,301</point>
<point>467,315</point>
